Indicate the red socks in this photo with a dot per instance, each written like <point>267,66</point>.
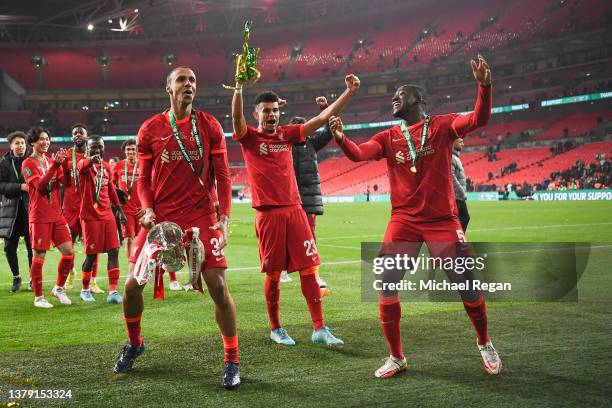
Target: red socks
<point>310,290</point>
<point>312,294</point>
<point>113,279</point>
<point>477,311</point>
<point>390,316</point>
<point>230,348</point>
<point>36,276</point>
<point>85,279</point>
<point>272,293</point>
<point>133,328</point>
<point>172,276</point>
<point>63,269</point>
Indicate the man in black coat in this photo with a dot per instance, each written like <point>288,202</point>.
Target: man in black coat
<point>14,204</point>
<point>307,176</point>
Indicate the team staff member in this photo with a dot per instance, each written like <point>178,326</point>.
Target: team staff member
<point>14,205</point>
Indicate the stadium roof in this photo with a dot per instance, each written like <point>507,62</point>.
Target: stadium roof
<point>73,21</point>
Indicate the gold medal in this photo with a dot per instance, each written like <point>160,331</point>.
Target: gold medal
<point>129,197</point>
<point>413,169</point>
<point>95,205</point>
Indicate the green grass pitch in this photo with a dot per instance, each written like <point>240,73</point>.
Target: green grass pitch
<point>555,354</point>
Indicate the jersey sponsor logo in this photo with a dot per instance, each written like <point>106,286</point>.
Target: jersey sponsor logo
<point>398,140</point>
<point>165,157</point>
<point>176,155</point>
<point>167,137</point>
<point>426,151</point>
<point>278,148</point>
<point>263,149</point>
<point>400,157</point>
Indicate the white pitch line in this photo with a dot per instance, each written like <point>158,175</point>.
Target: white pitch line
<point>480,230</point>
<point>255,268</point>
<point>540,226</point>
<point>338,246</point>
<point>229,270</point>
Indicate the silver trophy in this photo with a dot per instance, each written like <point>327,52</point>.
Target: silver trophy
<point>168,248</point>
<point>168,236</point>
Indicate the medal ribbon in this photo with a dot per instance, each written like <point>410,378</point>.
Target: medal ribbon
<point>179,141</point>
<point>425,132</point>
<point>130,185</point>
<point>44,168</point>
<point>98,180</point>
<point>75,173</point>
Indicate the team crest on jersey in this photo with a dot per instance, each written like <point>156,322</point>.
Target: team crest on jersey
<point>28,172</point>
<point>165,157</point>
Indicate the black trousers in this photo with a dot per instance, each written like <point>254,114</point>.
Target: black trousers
<point>464,215</point>
<point>20,229</point>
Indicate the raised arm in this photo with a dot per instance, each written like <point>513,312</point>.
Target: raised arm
<point>238,120</point>
<point>482,110</point>
<point>352,86</point>
<point>369,150</point>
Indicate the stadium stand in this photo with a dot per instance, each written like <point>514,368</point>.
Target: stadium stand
<point>385,43</point>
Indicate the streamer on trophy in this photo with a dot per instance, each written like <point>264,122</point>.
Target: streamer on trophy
<point>246,63</point>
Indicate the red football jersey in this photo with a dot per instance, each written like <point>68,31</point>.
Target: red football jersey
<point>428,193</point>
<point>88,172</point>
<point>124,181</point>
<point>42,209</point>
<point>176,189</point>
<point>72,196</point>
<point>269,165</point>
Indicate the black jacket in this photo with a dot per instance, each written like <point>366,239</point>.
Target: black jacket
<point>307,171</point>
<point>12,196</point>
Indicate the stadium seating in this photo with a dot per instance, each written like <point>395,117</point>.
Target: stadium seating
<point>478,171</point>
<point>574,125</point>
<point>325,47</point>
<point>360,174</point>
<point>539,171</point>
<point>238,175</point>
<point>445,37</point>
